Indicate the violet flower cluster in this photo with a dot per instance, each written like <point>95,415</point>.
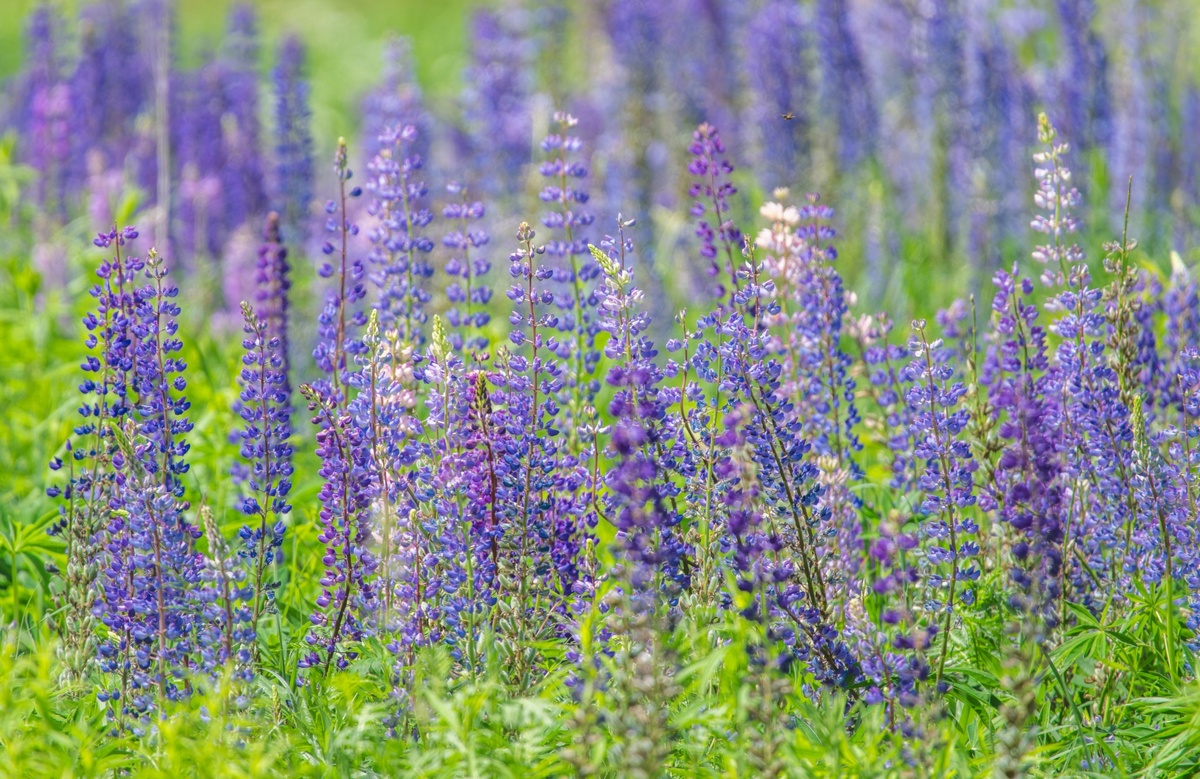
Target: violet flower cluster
<point>532,485</point>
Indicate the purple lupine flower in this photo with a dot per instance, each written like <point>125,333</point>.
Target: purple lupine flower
<point>530,537</point>
<point>739,357</point>
<point>1163,483</point>
<point>159,376</point>
<point>1057,197</point>
<point>845,93</point>
<point>1185,453</point>
<point>1097,436</point>
<point>381,408</point>
<point>150,609</point>
<point>1090,411</point>
<point>348,598</point>
<point>225,631</point>
<point>573,267</point>
<point>894,657</point>
<point>153,580</point>
<point>293,137</point>
<point>887,383</point>
<point>91,492</point>
<point>499,118</point>
<point>946,481</point>
<point>400,250</point>
<point>1025,488</point>
<point>776,64</point>
<point>810,304</point>
<point>341,317</point>
<point>643,492</point>
<point>264,404</point>
<point>711,189</point>
<point>813,303</point>
<point>470,296</point>
<point>396,102</point>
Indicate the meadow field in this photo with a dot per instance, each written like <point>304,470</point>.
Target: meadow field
<point>622,388</point>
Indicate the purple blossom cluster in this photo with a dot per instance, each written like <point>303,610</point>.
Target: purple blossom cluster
<point>531,483</point>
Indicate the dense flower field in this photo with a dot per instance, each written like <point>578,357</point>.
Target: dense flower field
<point>522,481</point>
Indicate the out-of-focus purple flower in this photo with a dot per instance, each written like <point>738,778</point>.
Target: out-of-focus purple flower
<point>396,102</point>
<point>111,84</point>
<point>573,267</point>
<point>845,93</point>
<point>46,110</point>
<point>1084,81</point>
<point>468,292</point>
<point>293,180</point>
<point>777,49</point>
<point>499,123</point>
<point>242,176</point>
<point>703,38</point>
